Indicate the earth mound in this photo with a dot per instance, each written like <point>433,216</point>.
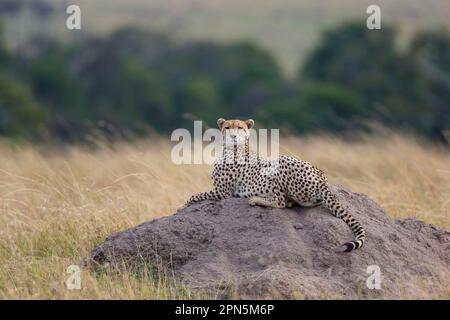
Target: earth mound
<point>230,249</point>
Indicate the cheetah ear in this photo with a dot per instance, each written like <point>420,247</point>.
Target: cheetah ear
<point>250,123</point>
<point>220,122</point>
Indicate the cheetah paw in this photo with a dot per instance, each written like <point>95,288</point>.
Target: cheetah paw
<point>289,204</point>
<point>252,201</point>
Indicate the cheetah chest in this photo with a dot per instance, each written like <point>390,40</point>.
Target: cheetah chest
<point>251,182</point>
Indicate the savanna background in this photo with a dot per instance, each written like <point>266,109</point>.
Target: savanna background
<point>86,116</point>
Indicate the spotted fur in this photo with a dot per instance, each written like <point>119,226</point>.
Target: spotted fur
<point>277,183</point>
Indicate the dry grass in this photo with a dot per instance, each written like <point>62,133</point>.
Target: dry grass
<point>57,205</point>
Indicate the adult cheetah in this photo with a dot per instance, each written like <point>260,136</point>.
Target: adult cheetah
<point>279,183</point>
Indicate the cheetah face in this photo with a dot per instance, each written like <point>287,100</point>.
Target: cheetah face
<point>235,132</point>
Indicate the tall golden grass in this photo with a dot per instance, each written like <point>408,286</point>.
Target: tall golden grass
<point>56,205</point>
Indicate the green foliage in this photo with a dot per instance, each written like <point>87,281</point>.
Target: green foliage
<point>20,114</point>
<point>201,97</point>
<point>314,106</point>
<point>52,80</point>
<point>395,87</point>
<point>133,80</point>
<point>431,51</point>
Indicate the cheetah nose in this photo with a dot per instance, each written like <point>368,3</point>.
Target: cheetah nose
<point>233,136</point>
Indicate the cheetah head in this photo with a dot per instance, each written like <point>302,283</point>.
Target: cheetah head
<point>235,132</point>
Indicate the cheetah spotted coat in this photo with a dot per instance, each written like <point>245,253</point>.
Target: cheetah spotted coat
<point>276,183</point>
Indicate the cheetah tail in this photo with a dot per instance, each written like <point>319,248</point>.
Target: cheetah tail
<point>330,202</point>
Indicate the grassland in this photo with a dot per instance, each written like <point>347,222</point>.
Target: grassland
<point>56,205</point>
<point>288,28</point>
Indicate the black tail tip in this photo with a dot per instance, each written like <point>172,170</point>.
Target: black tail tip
<point>346,247</point>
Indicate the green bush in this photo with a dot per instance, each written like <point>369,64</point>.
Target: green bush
<point>132,81</point>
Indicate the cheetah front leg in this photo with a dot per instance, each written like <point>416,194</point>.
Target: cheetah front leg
<point>277,200</point>
<point>219,192</point>
<point>209,195</point>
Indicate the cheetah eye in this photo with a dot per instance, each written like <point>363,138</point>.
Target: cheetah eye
<point>227,128</point>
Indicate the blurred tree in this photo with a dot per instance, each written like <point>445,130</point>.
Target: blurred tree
<point>133,80</point>
<point>200,97</point>
<point>391,83</point>
<point>431,50</point>
<point>53,81</point>
<point>124,85</point>
<point>238,75</point>
<point>20,113</point>
<point>315,106</point>
<point>366,61</point>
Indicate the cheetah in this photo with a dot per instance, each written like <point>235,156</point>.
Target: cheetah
<point>280,183</point>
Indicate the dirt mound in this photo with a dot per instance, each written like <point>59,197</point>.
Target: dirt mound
<point>230,249</point>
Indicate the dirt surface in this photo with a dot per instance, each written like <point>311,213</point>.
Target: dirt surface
<point>228,249</point>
